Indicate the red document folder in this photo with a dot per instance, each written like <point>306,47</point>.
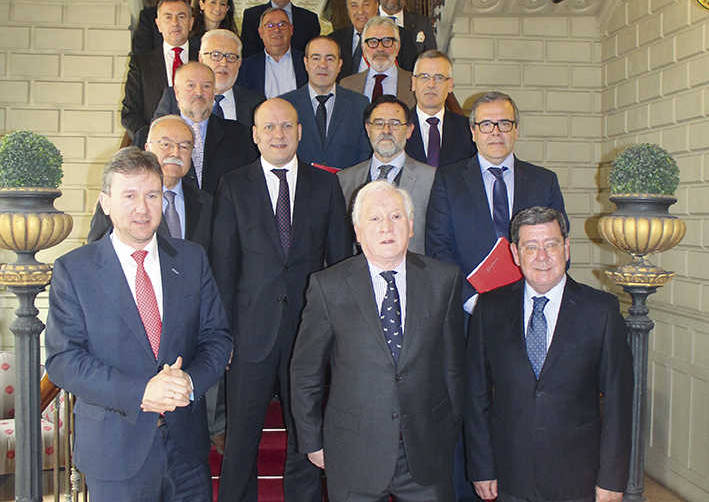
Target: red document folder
<point>496,270</point>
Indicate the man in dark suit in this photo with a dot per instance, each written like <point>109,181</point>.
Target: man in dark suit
<point>416,24</point>
<point>221,51</point>
<point>220,145</point>
<point>440,136</point>
<point>146,36</point>
<point>151,72</point>
<point>470,205</point>
<point>541,435</point>
<point>276,221</point>
<point>330,137</point>
<point>278,68</point>
<point>388,124</point>
<point>380,45</point>
<point>386,327</point>
<point>350,39</point>
<point>305,26</point>
<point>171,140</point>
<point>137,332</point>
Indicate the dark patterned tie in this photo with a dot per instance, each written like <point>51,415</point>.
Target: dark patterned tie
<point>171,217</point>
<point>217,108</point>
<point>357,55</point>
<point>500,206</point>
<point>384,171</point>
<point>283,209</point>
<point>378,88</point>
<point>434,142</point>
<point>147,302</point>
<point>390,316</point>
<point>537,335</point>
<point>321,116</point>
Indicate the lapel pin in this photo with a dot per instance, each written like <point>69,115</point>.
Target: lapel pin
<point>174,270</point>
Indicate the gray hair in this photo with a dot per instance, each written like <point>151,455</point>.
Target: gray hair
<point>433,54</point>
<point>166,118</point>
<point>380,21</point>
<point>380,186</point>
<point>491,97</point>
<point>268,11</point>
<point>537,215</point>
<point>129,161</point>
<point>220,32</point>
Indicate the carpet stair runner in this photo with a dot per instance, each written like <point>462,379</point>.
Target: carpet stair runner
<point>271,458</point>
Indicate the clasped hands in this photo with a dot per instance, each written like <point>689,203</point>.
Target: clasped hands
<point>169,389</point>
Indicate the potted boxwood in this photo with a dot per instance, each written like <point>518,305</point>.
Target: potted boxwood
<point>30,174</point>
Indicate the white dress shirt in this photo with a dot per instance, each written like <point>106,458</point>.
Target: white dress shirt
<point>425,127</point>
<point>130,266</point>
<point>169,56</point>
<point>489,179</point>
<point>228,105</point>
<point>329,104</point>
<point>380,286</point>
<point>398,17</point>
<point>273,182</point>
<point>388,84</point>
<point>397,162</point>
<point>551,309</point>
<point>280,75</point>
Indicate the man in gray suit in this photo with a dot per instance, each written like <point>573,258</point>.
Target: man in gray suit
<point>386,320</point>
<point>388,124</point>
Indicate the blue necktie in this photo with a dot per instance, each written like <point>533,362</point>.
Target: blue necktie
<point>500,206</point>
<point>537,335</point>
<point>390,316</point>
<point>217,108</point>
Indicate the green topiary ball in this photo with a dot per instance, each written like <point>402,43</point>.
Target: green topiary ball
<point>28,159</point>
<point>644,168</point>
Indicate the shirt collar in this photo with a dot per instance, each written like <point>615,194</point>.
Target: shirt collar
<point>168,48</point>
<point>313,93</point>
<point>397,162</point>
<point>228,94</point>
<point>399,16</point>
<point>288,7</point>
<point>400,269</point>
<point>390,72</point>
<point>292,165</point>
<point>191,122</point>
<point>509,163</point>
<point>553,295</point>
<point>285,57</point>
<point>422,115</point>
<point>177,189</point>
<point>124,251</point>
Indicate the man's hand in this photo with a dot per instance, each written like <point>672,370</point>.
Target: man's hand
<point>317,458</point>
<point>486,490</point>
<point>169,389</point>
<point>603,495</point>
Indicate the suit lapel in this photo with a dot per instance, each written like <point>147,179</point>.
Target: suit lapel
<point>158,69</point>
<point>415,283</point>
<point>258,192</point>
<point>339,111</point>
<point>302,97</point>
<point>408,177</point>
<point>347,52</point>
<point>474,181</point>
<point>401,83</point>
<point>193,207</point>
<point>416,148</point>
<point>260,76</point>
<point>568,314</point>
<point>303,187</point>
<point>172,296</point>
<point>447,138</point>
<point>521,187</point>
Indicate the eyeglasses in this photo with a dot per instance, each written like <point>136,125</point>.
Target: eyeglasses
<point>487,126</point>
<point>167,145</point>
<point>279,25</point>
<point>217,56</point>
<point>373,42</point>
<point>381,124</point>
<point>552,247</point>
<point>427,77</point>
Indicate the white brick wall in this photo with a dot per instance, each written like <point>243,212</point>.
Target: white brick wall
<point>662,98</point>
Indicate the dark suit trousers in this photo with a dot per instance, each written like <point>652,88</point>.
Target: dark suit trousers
<point>506,497</point>
<point>403,487</point>
<point>250,388</point>
<point>165,477</point>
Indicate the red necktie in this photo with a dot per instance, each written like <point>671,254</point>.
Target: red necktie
<point>378,89</point>
<point>147,303</point>
<point>177,62</point>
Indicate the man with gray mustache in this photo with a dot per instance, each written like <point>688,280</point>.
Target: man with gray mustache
<point>388,123</point>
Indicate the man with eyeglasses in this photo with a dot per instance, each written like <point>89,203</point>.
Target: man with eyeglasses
<point>388,124</point>
<point>331,139</point>
<point>149,73</point>
<point>560,345</point>
<point>278,68</point>
<point>276,221</point>
<point>305,25</point>
<point>380,46</point>
<point>221,51</point>
<point>440,136</point>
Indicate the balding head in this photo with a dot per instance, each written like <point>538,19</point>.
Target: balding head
<point>194,90</point>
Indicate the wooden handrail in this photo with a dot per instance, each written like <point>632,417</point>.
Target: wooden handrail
<point>47,392</point>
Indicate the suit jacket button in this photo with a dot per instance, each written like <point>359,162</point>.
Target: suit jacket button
<point>398,378</point>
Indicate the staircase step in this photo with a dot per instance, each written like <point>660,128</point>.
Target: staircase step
<point>270,490</point>
<point>272,453</point>
<point>274,415</point>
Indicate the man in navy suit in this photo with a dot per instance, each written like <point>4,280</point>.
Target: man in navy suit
<point>541,435</point>
<point>137,332</point>
<point>305,26</point>
<point>330,137</point>
<point>276,221</point>
<point>440,136</point>
<point>278,68</point>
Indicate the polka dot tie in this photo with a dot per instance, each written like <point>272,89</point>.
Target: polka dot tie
<point>147,303</point>
<point>390,316</point>
<point>283,209</point>
<point>537,335</point>
<point>217,108</point>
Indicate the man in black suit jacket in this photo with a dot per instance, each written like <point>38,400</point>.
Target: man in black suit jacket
<point>541,435</point>
<point>221,51</point>
<point>305,26</point>
<point>386,325</point>
<point>419,26</point>
<point>278,68</point>
<point>171,139</point>
<point>150,73</point>
<point>447,135</point>
<point>146,35</point>
<point>348,38</point>
<point>275,221</point>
